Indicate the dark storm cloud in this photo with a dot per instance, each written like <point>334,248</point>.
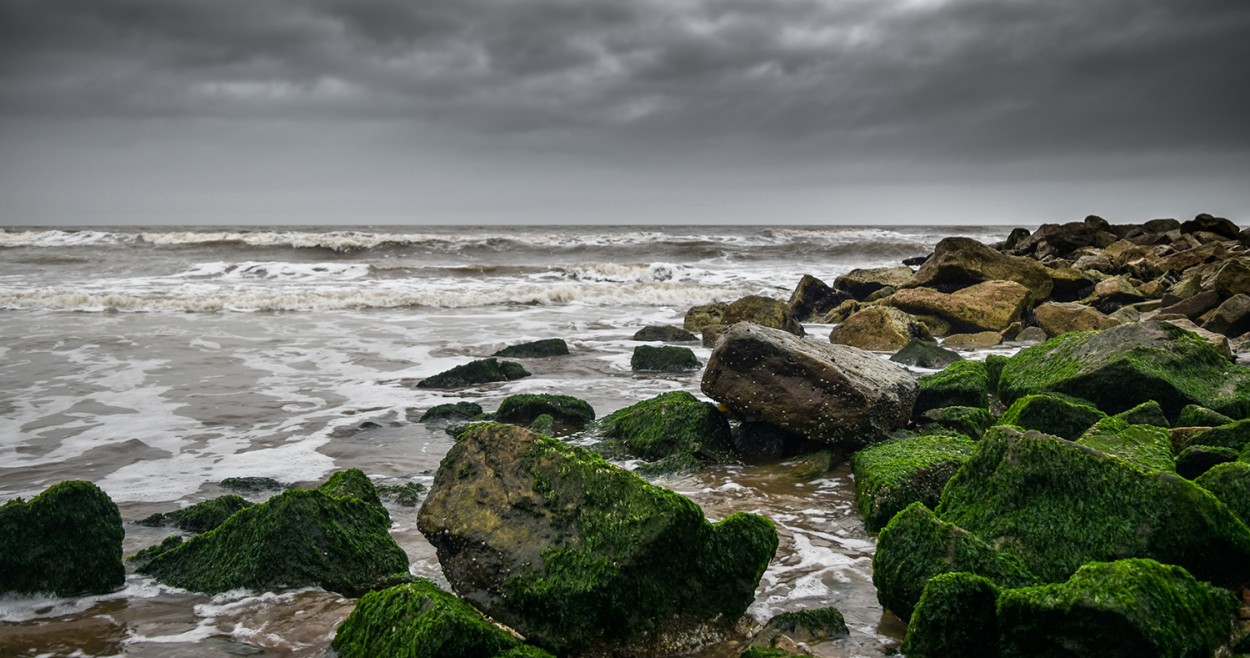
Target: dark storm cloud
<point>922,77</point>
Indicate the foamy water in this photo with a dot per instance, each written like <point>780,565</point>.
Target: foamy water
<point>155,363</point>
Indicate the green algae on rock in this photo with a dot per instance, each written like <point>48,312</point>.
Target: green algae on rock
<point>808,626</point>
<point>67,541</point>
<point>1135,608</point>
<point>970,421</point>
<point>535,350</point>
<point>663,358</point>
<point>1056,505</point>
<point>956,616</point>
<point>1234,435</point>
<point>419,620</point>
<point>1230,482</point>
<point>457,411</point>
<point>200,517</point>
<point>925,354</point>
<point>1050,413</point>
<point>334,537</point>
<point>893,474</point>
<point>1147,446</point>
<point>669,424</point>
<point>580,555</point>
<point>567,412</point>
<point>961,384</point>
<point>481,371</point>
<point>1193,415</point>
<point>1193,461</point>
<point>1124,366</point>
<point>916,546</point>
<point>1146,413</point>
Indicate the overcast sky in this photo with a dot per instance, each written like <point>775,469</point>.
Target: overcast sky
<point>622,111</point>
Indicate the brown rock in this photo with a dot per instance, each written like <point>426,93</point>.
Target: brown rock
<point>814,298</point>
<point>1031,336</point>
<point>764,311</point>
<point>1117,290</point>
<point>961,262</point>
<point>1218,341</point>
<point>699,317</point>
<point>860,283</point>
<point>1230,278</point>
<point>1062,317</point>
<point>1161,225</point>
<point>1195,306</point>
<point>1070,284</point>
<point>978,341</point>
<point>879,328</point>
<point>989,306</point>
<point>712,333</point>
<point>1060,240</point>
<point>841,313</point>
<point>1183,260</point>
<point>1231,318</point>
<point>1220,226</point>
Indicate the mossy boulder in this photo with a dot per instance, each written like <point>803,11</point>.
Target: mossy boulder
<point>1134,608</point>
<point>916,546</point>
<point>1146,413</point>
<point>956,616</point>
<point>1056,505</point>
<point>330,537</point>
<point>893,474</point>
<point>1146,446</point>
<point>451,412</point>
<point>1234,435</point>
<point>1230,482</point>
<point>1122,367</point>
<point>407,494</point>
<point>1193,415</point>
<point>537,349</point>
<point>860,283</point>
<point>67,541</point>
<point>568,413</point>
<point>807,626</point>
<point>252,484</point>
<point>665,334</point>
<point>765,312</point>
<point>970,421</point>
<point>581,556</point>
<point>1052,414</point>
<point>1196,460</point>
<point>665,358</point>
<point>669,424</point>
<point>200,517</point>
<point>961,384</point>
<point>419,620</point>
<point>925,354</point>
<point>481,371</point>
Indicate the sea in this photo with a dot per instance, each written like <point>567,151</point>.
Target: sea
<point>157,361</point>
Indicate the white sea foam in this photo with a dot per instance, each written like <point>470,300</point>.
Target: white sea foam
<point>275,270</point>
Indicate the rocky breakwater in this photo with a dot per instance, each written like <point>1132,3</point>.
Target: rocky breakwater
<point>582,557</point>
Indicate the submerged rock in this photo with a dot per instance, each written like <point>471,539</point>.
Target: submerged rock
<point>67,541</point>
<point>481,371</point>
<point>829,393</point>
<point>1124,366</point>
<point>568,413</point>
<point>925,354</point>
<point>807,626</point>
<point>200,517</point>
<point>581,556</point>
<point>458,411</point>
<point>669,424</point>
<point>663,359</point>
<point>419,620</point>
<point>535,350</point>
<point>666,334</point>
<point>252,484</point>
<point>328,537</point>
<point>893,474</point>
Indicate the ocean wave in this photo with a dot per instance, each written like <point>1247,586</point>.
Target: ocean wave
<point>275,270</point>
<point>60,238</point>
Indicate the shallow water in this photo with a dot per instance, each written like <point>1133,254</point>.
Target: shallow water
<point>122,363</point>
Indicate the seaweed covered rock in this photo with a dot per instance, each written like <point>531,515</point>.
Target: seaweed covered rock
<point>925,354</point>
<point>1127,365</point>
<point>251,484</point>
<point>1193,415</point>
<point>705,315</point>
<point>671,423</point>
<point>481,371</point>
<point>665,334</point>
<point>1234,435</point>
<point>1133,608</point>
<point>989,306</point>
<point>1147,446</point>
<point>893,474</point>
<point>328,537</point>
<point>537,349</point>
<point>567,412</point>
<point>970,421</point>
<point>1052,414</point>
<point>579,555</point>
<point>765,312</point>
<point>419,620</point>
<point>823,392</point>
<point>916,546</point>
<point>879,328</point>
<point>1146,413</point>
<point>808,626</point>
<point>1193,461</point>
<point>353,483</point>
<point>1057,505</point>
<point>1230,482</point>
<point>67,541</point>
<point>200,517</point>
<point>458,411</point>
<point>665,358</point>
<point>956,616</point>
<point>961,384</point>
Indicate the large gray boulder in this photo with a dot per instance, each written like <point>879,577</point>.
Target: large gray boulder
<point>830,393</point>
<point>583,557</point>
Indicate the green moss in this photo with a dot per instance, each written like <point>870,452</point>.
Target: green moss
<point>678,462</point>
<point>481,371</point>
<point>970,421</point>
<point>544,424</point>
<point>994,369</point>
<point>1125,609</point>
<point>1234,435</point>
<point>535,350</point>
<point>1147,446</point>
<point>956,616</point>
<point>67,540</point>
<point>404,495</point>
<point>525,651</point>
<point>664,358</point>
<point>1122,367</point>
<point>146,555</point>
<point>1059,415</point>
<point>1193,415</point>
<point>252,484</point>
<point>298,538</point>
<point>200,517</point>
<point>452,412</point>
<point>894,474</point>
<point>568,413</point>
<point>1196,460</point>
<point>961,384</point>
<point>671,424</point>
<point>1229,482</point>
<point>353,483</point>
<point>418,620</point>
<point>916,546</point>
<point>1146,413</point>
<point>1057,505</point>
